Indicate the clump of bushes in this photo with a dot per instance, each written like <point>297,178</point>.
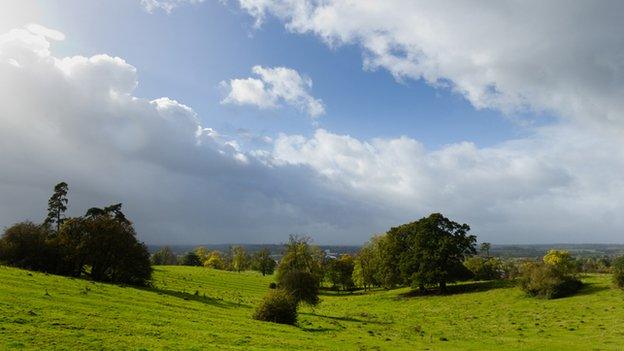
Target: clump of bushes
<point>552,278</point>
<point>278,306</point>
<point>618,272</point>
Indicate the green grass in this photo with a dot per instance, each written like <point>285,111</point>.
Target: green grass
<point>39,311</point>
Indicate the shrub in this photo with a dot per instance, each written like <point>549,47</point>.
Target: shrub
<point>191,259</point>
<point>278,306</point>
<point>618,272</point>
<point>548,281</point>
<point>484,268</point>
<point>27,245</point>
<point>303,286</point>
<point>272,285</point>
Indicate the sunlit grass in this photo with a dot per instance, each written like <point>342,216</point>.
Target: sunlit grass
<point>194,308</point>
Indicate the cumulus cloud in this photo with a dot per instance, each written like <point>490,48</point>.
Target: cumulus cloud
<point>562,57</point>
<point>273,87</point>
<point>77,119</point>
<point>166,5</point>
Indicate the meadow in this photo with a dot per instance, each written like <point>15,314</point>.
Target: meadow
<point>196,308</point>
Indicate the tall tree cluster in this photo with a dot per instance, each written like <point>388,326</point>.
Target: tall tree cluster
<point>101,245</point>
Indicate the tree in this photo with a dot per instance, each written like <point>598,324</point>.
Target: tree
<point>340,272</point>
<point>433,252</point>
<point>203,254</point>
<point>57,205</point>
<point>366,265</point>
<point>105,243</point>
<point>302,285</point>
<point>485,249</point>
<point>164,256</point>
<point>299,255</point>
<point>27,245</point>
<point>618,272</point>
<point>561,259</point>
<point>263,262</point>
<point>485,268</point>
<point>191,259</point>
<point>215,260</point>
<point>240,258</point>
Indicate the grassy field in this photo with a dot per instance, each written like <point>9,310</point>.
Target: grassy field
<point>196,308</point>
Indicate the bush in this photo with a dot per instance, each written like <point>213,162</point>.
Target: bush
<point>618,272</point>
<point>27,245</point>
<point>303,286</point>
<point>278,306</point>
<point>484,268</point>
<point>272,285</point>
<point>548,281</point>
<point>191,259</point>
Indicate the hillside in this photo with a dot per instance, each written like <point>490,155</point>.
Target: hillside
<point>197,308</point>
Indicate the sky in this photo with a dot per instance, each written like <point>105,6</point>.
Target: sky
<point>244,121</point>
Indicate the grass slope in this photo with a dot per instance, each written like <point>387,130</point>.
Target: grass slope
<point>196,308</point>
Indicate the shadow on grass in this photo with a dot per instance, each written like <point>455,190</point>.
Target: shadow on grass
<point>346,319</point>
<point>193,297</point>
<point>462,288</point>
<point>591,288</point>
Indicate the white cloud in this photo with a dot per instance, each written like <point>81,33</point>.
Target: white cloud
<point>564,57</point>
<point>78,119</point>
<point>166,5</point>
<point>274,87</point>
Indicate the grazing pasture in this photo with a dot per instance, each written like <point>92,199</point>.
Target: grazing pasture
<point>196,308</point>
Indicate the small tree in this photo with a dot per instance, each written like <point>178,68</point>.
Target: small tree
<point>215,260</point>
<point>27,245</point>
<point>191,259</point>
<point>485,268</point>
<point>365,266</point>
<point>57,205</point>
<point>240,258</point>
<point>301,256</point>
<point>164,256</point>
<point>340,272</point>
<point>303,286</point>
<point>278,306</point>
<point>263,262</point>
<point>561,259</point>
<point>618,272</point>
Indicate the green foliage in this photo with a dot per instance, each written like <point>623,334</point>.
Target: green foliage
<point>164,256</point>
<point>301,256</point>
<point>240,259</point>
<point>618,272</point>
<point>548,281</point>
<point>215,260</point>
<point>278,306</point>
<point>57,205</point>
<point>433,249</point>
<point>263,262</point>
<point>561,259</point>
<point>340,272</point>
<point>106,246</point>
<point>365,267</point>
<point>302,285</point>
<point>30,246</point>
<point>485,268</point>
<point>191,259</point>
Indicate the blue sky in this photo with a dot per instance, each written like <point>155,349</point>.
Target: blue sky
<point>185,54</point>
<point>252,120</point>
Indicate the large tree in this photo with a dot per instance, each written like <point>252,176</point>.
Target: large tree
<point>57,205</point>
<point>434,250</point>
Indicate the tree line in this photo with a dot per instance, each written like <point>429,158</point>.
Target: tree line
<point>100,245</point>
